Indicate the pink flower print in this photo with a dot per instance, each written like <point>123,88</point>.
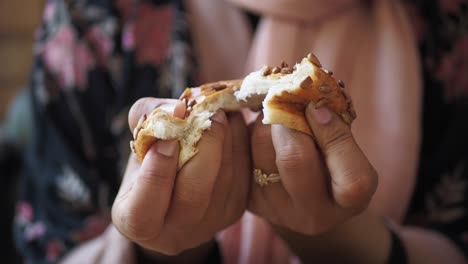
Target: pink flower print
<point>49,10</point>
<point>57,54</point>
<point>34,231</point>
<point>25,212</point>
<point>450,6</point>
<point>152,31</point>
<point>101,43</point>
<point>54,249</point>
<point>82,62</point>
<point>453,68</point>
<point>67,59</point>
<point>128,40</point>
<point>94,226</point>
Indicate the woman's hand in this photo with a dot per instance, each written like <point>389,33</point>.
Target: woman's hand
<point>321,186</point>
<point>168,211</point>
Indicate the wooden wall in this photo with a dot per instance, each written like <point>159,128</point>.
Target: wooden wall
<point>18,21</point>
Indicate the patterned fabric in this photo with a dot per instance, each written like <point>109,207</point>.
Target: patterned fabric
<point>440,201</point>
<point>93,59</point>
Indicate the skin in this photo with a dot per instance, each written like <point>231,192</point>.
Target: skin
<point>331,225</point>
<point>166,212</point>
<point>325,192</point>
<point>303,202</point>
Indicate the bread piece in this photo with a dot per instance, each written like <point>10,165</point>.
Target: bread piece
<point>202,103</point>
<point>287,95</point>
<point>282,92</point>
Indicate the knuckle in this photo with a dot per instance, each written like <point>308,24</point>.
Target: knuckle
<point>240,142</point>
<point>190,208</point>
<point>367,185</point>
<point>155,176</point>
<point>261,136</point>
<point>133,225</point>
<point>240,150</point>
<point>357,191</point>
<point>291,157</point>
<point>336,141</point>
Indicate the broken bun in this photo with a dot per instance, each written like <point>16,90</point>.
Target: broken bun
<point>282,93</point>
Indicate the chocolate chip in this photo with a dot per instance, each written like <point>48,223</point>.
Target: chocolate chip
<point>311,57</point>
<point>276,70</point>
<point>284,64</point>
<point>341,83</point>
<point>328,72</point>
<point>306,82</point>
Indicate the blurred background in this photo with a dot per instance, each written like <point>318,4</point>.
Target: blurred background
<point>18,21</point>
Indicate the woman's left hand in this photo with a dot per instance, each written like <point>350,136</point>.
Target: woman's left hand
<point>322,185</point>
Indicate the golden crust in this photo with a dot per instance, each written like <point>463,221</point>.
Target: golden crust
<point>286,108</point>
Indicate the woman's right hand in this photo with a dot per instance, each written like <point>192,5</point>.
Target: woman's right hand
<point>168,212</point>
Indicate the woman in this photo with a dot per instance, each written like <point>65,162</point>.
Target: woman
<point>94,60</point>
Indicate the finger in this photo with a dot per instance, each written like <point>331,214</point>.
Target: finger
<point>270,199</point>
<point>139,213</point>
<point>353,178</point>
<point>241,166</point>
<point>195,181</point>
<point>216,215</point>
<point>298,162</point>
<point>147,105</point>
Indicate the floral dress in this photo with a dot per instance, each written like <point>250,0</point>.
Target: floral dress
<point>94,58</point>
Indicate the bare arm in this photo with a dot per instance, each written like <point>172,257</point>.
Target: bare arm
<point>388,102</point>
<point>365,239</point>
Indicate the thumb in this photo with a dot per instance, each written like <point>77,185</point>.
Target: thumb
<point>353,178</point>
<point>140,207</point>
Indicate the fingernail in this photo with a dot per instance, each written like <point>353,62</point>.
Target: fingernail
<point>321,115</point>
<point>166,147</point>
<point>219,117</point>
